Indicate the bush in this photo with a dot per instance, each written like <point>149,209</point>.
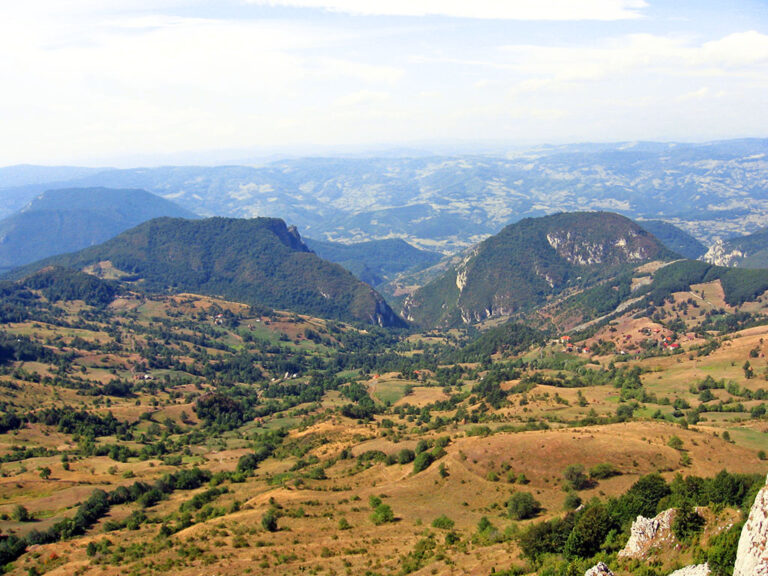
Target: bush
<point>675,442</point>
<point>721,555</point>
<point>422,462</point>
<point>572,501</point>
<point>576,477</point>
<point>269,520</point>
<point>405,456</point>
<point>603,471</point>
<point>382,514</point>
<point>588,533</point>
<point>687,522</point>
<point>443,522</point>
<point>522,505</point>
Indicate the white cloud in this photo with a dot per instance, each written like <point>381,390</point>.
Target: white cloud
<point>735,50</point>
<point>485,9</point>
<point>362,98</point>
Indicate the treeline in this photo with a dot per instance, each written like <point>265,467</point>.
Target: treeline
<point>739,284</point>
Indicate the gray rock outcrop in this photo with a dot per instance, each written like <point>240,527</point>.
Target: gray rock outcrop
<point>599,569</point>
<point>752,554</point>
<point>647,533</point>
<point>697,570</point>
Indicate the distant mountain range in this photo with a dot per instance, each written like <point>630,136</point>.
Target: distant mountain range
<point>449,203</point>
<point>60,221</point>
<point>258,261</point>
<point>530,261</point>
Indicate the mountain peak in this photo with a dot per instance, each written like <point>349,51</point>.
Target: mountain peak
<point>529,261</point>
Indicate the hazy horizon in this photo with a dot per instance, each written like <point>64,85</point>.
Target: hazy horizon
<point>193,81</point>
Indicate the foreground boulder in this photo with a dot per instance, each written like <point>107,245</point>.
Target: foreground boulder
<point>648,533</point>
<point>697,570</point>
<point>599,569</point>
<point>752,554</point>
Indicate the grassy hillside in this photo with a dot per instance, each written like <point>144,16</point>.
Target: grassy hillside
<point>180,434</point>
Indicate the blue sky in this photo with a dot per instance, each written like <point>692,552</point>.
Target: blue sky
<point>134,81</point>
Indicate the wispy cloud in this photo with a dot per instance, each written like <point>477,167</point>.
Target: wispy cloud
<point>484,9</point>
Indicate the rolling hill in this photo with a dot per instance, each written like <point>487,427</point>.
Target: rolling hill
<point>60,221</point>
<point>257,261</point>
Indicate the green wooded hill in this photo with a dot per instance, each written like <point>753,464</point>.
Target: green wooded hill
<point>60,221</point>
<point>377,261</point>
<point>258,261</point>
<point>531,260</point>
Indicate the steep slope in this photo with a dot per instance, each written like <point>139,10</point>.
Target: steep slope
<point>258,261</point>
<point>60,221</point>
<point>674,238</point>
<point>377,261</point>
<point>531,260</point>
<point>750,251</point>
<point>752,555</point>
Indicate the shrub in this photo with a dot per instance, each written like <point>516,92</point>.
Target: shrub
<point>382,514</point>
<point>576,477</point>
<point>572,501</point>
<point>422,461</point>
<point>443,522</point>
<point>523,505</point>
<point>588,533</point>
<point>405,456</point>
<point>687,522</point>
<point>721,555</point>
<point>675,443</point>
<point>603,471</point>
<point>269,520</point>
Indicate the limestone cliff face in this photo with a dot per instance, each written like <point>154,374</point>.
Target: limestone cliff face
<point>752,554</point>
<point>578,247</point>
<point>720,255</point>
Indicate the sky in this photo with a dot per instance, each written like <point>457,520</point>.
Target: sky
<point>121,82</point>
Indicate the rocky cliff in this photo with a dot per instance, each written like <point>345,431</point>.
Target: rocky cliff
<point>752,554</point>
<point>648,533</point>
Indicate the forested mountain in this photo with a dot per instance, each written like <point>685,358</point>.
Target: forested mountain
<point>258,261</point>
<point>531,260</point>
<point>451,202</point>
<point>377,261</point>
<point>60,221</point>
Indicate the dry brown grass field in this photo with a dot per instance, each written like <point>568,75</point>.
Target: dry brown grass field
<point>326,461</point>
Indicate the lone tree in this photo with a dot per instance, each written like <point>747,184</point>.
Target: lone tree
<point>576,477</point>
<point>522,505</point>
<point>269,520</point>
